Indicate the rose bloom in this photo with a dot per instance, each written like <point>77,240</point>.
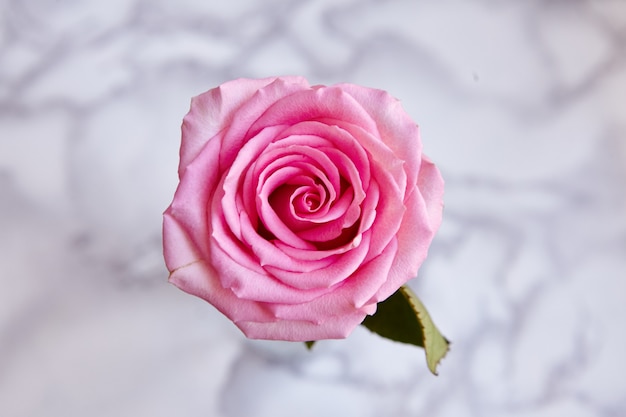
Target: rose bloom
<point>299,207</point>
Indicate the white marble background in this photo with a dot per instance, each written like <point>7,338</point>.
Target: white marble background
<point>521,104</point>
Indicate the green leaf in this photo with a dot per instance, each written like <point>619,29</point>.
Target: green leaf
<point>403,318</point>
<point>309,344</point>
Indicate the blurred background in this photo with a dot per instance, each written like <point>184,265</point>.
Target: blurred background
<point>521,104</point>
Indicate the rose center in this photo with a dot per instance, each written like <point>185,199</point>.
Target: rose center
<point>308,206</point>
<point>307,202</point>
<point>301,201</point>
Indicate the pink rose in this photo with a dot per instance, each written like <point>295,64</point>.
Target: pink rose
<point>299,208</point>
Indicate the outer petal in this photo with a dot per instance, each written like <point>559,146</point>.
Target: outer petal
<point>189,207</point>
<point>380,155</point>
<point>314,104</point>
<point>389,210</point>
<point>421,221</point>
<point>178,248</point>
<point>213,111</point>
<point>192,274</point>
<point>301,331</point>
<point>239,128</point>
<point>199,279</point>
<point>396,128</point>
<point>336,327</point>
<point>431,186</point>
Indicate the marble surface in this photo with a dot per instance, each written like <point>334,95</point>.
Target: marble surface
<point>521,104</point>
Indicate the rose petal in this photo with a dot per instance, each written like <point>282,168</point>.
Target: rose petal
<point>230,205</point>
<point>275,221</point>
<point>201,280</point>
<point>390,210</point>
<point>341,267</point>
<point>397,130</point>
<point>198,181</point>
<point>178,247</point>
<point>213,111</point>
<point>239,131</point>
<point>252,284</point>
<point>379,154</point>
<point>328,135</point>
<point>267,254</point>
<point>354,292</point>
<point>311,104</point>
<point>430,184</point>
<point>336,327</point>
<point>311,255</point>
<point>418,228</point>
